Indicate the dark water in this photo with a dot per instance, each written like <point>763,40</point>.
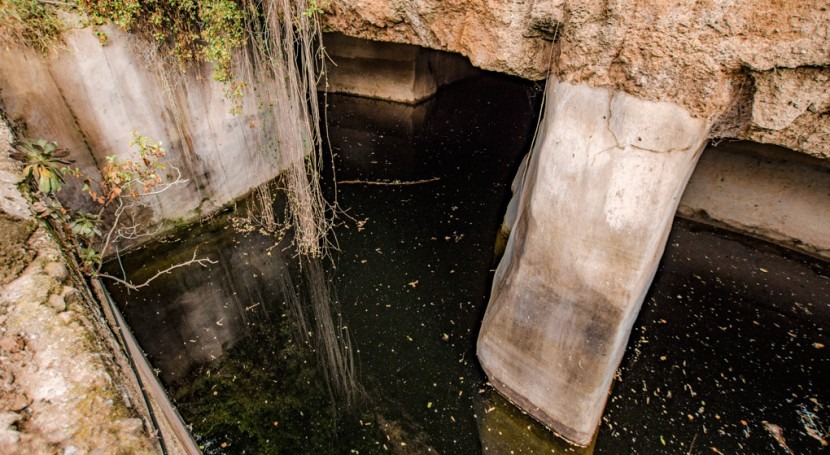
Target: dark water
<point>729,333</point>
<point>732,335</point>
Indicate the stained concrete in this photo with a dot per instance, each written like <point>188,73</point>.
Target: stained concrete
<point>596,204</point>
<point>90,98</point>
<point>765,191</point>
<point>402,73</point>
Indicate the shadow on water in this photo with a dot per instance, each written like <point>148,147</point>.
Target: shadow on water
<point>373,351</point>
<point>251,348</point>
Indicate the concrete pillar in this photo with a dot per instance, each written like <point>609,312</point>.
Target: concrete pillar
<point>593,214</point>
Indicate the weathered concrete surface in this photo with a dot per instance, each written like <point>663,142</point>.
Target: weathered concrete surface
<point>394,72</point>
<point>705,56</point>
<point>90,98</point>
<point>61,390</point>
<point>766,191</point>
<point>601,189</point>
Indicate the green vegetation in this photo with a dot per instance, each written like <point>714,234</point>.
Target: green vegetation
<point>45,163</point>
<point>280,59</point>
<point>123,186</point>
<point>30,22</point>
<point>191,30</point>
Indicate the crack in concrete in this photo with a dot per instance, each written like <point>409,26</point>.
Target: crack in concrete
<point>623,146</point>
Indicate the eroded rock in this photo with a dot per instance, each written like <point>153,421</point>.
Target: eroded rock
<point>56,390</point>
<point>697,55</point>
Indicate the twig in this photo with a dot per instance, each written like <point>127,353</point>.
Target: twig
<point>51,2</point>
<point>387,183</point>
<point>203,262</point>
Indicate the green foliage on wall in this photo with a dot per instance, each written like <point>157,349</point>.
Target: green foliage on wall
<point>193,30</point>
<point>30,22</point>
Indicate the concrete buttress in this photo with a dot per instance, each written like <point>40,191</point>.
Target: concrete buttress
<point>594,209</point>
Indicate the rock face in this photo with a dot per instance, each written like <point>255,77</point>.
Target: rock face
<point>62,389</point>
<point>734,63</point>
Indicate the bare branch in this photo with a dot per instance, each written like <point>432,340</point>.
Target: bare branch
<point>117,232</point>
<point>201,261</point>
<point>118,212</point>
<point>388,183</point>
<point>162,188</point>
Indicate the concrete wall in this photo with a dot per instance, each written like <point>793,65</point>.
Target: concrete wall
<point>593,203</point>
<point>89,98</point>
<point>765,191</point>
<point>395,72</point>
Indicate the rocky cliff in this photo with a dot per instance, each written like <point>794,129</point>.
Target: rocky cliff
<point>754,70</point>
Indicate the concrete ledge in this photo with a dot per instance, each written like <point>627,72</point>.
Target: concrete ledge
<point>765,191</point>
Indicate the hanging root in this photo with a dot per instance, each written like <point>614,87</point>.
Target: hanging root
<point>283,63</point>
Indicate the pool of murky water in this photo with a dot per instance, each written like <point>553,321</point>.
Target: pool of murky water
<point>372,349</point>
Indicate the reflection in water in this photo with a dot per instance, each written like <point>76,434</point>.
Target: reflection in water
<point>416,359</point>
<point>253,347</point>
<point>504,429</point>
<point>331,337</point>
<point>425,187</point>
<point>192,317</point>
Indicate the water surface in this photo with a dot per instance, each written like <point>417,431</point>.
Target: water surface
<point>731,335</point>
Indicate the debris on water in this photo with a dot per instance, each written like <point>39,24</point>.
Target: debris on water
<point>811,424</point>
<point>777,434</point>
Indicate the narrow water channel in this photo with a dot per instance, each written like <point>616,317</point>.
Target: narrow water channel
<point>732,334</point>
